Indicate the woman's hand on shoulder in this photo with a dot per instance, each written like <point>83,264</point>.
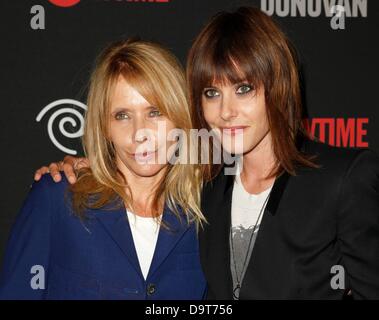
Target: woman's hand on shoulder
<point>70,166</point>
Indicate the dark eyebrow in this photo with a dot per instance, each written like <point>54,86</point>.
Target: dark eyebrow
<point>243,82</point>
<point>236,84</point>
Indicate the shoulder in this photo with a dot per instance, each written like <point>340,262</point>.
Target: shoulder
<point>328,155</point>
<point>218,185</point>
<point>341,161</point>
<point>334,163</point>
<point>44,203</point>
<point>46,189</point>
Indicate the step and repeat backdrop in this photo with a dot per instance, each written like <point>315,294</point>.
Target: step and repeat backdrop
<point>48,48</point>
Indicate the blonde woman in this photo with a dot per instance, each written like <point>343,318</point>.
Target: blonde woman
<point>128,228</point>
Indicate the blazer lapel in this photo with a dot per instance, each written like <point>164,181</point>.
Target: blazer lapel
<point>168,238</point>
<point>117,225</point>
<point>260,258</point>
<point>277,192</point>
<point>215,250</point>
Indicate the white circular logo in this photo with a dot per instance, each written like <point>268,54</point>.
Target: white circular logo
<point>68,119</point>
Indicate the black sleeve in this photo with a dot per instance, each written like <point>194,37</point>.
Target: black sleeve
<point>358,225</point>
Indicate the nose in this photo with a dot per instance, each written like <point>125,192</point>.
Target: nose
<point>228,110</point>
<point>140,132</point>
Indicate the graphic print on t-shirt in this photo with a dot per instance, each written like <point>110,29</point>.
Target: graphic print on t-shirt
<point>241,238</point>
<point>247,213</point>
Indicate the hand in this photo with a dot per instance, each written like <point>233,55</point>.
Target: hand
<point>70,165</point>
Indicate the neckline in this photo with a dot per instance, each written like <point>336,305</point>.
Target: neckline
<point>238,181</point>
<point>140,217</point>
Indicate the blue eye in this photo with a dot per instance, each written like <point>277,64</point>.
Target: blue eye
<point>155,113</point>
<point>121,116</point>
<point>211,93</point>
<point>243,89</point>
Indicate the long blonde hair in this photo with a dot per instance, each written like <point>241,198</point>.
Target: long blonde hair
<point>159,78</point>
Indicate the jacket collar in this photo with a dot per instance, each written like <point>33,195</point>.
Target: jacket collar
<point>218,261</point>
<point>116,224</point>
<point>275,195</point>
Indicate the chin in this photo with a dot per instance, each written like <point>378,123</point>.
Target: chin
<point>147,170</point>
<point>234,149</point>
<point>238,150</point>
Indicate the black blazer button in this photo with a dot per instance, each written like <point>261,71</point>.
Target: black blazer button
<point>151,289</point>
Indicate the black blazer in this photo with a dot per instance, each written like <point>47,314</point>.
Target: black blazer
<point>313,221</point>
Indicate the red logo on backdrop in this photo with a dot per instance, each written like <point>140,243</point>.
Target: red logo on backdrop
<point>64,3</point>
<point>339,132</point>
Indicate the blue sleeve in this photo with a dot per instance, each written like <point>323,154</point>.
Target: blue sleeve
<point>28,247</point>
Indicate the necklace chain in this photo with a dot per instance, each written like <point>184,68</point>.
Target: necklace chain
<point>237,288</point>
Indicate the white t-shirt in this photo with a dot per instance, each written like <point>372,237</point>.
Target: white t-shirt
<point>145,235</point>
<point>247,210</point>
<point>246,206</point>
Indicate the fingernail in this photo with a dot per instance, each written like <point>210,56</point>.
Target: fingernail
<point>71,179</point>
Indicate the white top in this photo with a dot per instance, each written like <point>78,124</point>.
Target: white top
<point>246,206</point>
<point>247,211</point>
<point>145,235</point>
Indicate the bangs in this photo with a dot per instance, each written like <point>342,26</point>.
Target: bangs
<point>135,76</point>
<point>144,84</point>
<point>155,75</point>
<point>230,55</point>
<point>227,69</point>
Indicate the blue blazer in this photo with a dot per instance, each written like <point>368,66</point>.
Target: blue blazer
<point>94,258</point>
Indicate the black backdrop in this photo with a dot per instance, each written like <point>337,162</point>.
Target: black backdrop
<point>47,52</point>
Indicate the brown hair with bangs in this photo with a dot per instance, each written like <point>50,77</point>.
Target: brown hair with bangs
<point>247,45</point>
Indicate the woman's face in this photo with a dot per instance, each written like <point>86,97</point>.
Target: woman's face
<point>134,132</point>
<point>239,112</point>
